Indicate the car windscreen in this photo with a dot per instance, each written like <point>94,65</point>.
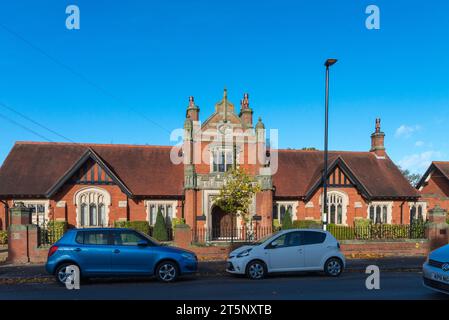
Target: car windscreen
<point>262,240</point>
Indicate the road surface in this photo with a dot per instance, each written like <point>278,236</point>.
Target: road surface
<point>393,285</point>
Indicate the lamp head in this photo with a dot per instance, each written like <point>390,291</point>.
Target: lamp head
<point>330,62</point>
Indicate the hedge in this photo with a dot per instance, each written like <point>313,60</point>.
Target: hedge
<point>307,224</point>
<point>141,226</point>
<point>3,237</point>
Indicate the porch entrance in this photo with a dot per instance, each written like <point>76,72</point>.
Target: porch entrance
<point>224,226</point>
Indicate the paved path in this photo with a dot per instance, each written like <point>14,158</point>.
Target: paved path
<point>394,285</point>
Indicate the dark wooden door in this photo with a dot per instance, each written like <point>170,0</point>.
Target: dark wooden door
<point>223,225</point>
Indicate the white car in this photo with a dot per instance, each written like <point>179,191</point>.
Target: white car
<point>286,251</point>
<point>436,270</point>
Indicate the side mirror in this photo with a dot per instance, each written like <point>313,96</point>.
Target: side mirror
<point>142,243</point>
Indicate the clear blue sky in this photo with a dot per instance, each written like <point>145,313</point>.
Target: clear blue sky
<point>149,56</point>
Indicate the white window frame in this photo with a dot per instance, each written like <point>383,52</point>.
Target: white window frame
<point>157,203</point>
<point>389,205</point>
<point>221,149</point>
<point>345,203</point>
<point>94,194</point>
<point>45,203</point>
<point>286,204</point>
<point>416,204</point>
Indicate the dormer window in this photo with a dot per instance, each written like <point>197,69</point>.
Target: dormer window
<point>222,159</point>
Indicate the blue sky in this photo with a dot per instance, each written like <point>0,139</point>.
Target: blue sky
<point>126,75</point>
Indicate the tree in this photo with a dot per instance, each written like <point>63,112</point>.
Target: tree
<point>236,194</point>
<point>287,221</point>
<point>413,178</point>
<point>160,228</point>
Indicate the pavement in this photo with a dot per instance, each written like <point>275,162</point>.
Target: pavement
<point>35,273</point>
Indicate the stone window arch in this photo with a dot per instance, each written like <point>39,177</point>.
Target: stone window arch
<point>92,207</point>
<point>337,204</point>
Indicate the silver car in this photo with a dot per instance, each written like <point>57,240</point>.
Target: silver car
<point>436,270</point>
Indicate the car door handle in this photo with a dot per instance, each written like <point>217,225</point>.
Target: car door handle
<point>77,249</point>
<point>116,251</point>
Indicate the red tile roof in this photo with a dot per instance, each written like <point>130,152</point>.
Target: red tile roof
<point>299,170</point>
<point>443,166</point>
<point>34,168</point>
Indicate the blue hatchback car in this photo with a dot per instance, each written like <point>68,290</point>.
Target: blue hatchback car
<point>106,252</point>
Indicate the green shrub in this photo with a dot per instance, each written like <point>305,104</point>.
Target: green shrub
<point>177,221</point>
<point>307,224</point>
<point>160,228</point>
<point>121,224</point>
<point>276,225</point>
<point>287,221</point>
<point>3,237</point>
<point>141,226</point>
<point>362,222</point>
<point>56,230</point>
<point>362,228</point>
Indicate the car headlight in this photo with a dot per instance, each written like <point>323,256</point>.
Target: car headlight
<point>244,253</point>
<point>188,256</point>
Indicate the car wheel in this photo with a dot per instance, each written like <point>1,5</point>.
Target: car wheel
<point>333,267</point>
<point>64,271</point>
<point>167,271</point>
<point>256,270</point>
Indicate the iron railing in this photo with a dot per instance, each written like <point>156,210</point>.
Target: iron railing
<point>48,233</point>
<point>225,234</point>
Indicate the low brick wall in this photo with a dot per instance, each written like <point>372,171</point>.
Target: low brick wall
<point>373,248</point>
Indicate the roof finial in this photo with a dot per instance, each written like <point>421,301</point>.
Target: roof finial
<point>245,102</point>
<point>225,94</point>
<point>377,125</point>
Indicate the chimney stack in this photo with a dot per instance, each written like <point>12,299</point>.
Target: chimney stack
<point>246,113</point>
<point>377,141</point>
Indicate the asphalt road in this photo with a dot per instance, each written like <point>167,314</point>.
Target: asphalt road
<point>393,285</point>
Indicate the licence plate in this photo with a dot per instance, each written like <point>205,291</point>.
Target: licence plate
<point>440,277</point>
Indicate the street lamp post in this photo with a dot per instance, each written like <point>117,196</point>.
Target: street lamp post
<point>328,63</point>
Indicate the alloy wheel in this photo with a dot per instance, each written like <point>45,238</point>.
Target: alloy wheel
<point>256,270</point>
<point>333,267</point>
<point>167,272</point>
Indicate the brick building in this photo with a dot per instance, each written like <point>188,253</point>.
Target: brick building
<point>434,185</point>
<point>95,184</point>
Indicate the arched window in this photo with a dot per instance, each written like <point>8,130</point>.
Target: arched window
<point>92,207</point>
<point>337,203</point>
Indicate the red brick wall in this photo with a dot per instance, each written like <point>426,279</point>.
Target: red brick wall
<point>366,249</point>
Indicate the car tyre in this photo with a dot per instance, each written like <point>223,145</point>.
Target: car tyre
<point>256,270</point>
<point>167,271</point>
<point>333,267</point>
<point>61,273</point>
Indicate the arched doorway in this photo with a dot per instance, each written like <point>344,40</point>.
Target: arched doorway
<point>223,224</point>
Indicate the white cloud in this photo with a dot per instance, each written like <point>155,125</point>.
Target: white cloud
<point>419,162</point>
<point>406,131</point>
<point>419,143</point>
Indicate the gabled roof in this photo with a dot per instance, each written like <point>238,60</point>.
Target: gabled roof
<point>39,169</point>
<point>299,174</point>
<point>441,166</point>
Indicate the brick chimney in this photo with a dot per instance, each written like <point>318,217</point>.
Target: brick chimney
<point>193,112</point>
<point>377,141</point>
<point>246,113</point>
